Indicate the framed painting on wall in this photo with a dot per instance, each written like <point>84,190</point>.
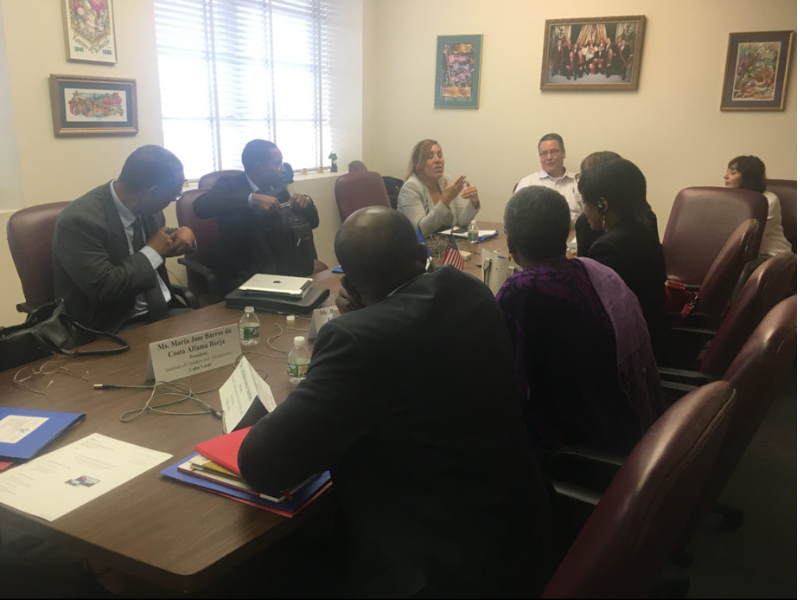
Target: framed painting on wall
<point>602,53</point>
<point>89,31</point>
<point>458,71</point>
<point>93,105</point>
<point>756,70</point>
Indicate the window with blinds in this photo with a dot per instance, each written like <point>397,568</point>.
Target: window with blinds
<point>234,70</point>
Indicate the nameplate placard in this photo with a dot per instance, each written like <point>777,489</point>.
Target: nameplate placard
<point>320,317</point>
<point>186,355</point>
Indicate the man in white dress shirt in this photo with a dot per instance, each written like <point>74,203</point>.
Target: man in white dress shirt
<point>554,174</point>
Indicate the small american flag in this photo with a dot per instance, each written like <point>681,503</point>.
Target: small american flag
<point>453,256</point>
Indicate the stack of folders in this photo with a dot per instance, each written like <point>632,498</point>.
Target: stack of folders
<point>215,469</point>
<point>25,433</point>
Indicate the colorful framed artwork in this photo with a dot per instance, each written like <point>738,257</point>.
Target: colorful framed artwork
<point>89,31</point>
<point>93,105</point>
<point>756,70</point>
<point>458,71</point>
<point>603,53</point>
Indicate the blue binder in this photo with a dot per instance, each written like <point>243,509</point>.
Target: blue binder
<point>40,437</point>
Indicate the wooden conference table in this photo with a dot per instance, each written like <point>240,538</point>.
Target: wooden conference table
<point>167,533</point>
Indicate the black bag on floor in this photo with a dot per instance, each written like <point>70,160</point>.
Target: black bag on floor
<point>50,330</point>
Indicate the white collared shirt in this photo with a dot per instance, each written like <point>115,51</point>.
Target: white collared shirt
<point>128,219</point>
<point>566,185</point>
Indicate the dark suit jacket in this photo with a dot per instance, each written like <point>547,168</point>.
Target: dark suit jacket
<point>634,252</point>
<point>92,268</point>
<point>247,236</point>
<point>411,404</point>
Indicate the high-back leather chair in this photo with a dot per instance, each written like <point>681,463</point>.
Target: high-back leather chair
<point>701,221</point>
<point>358,190</point>
<point>768,353</point>
<point>209,179</point>
<point>30,232</point>
<point>765,288</point>
<point>786,191</point>
<point>725,270</point>
<point>639,520</point>
<point>200,279</point>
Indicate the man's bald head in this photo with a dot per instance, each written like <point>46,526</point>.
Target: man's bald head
<point>378,251</point>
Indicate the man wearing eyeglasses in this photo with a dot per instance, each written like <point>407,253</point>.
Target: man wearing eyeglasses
<point>110,244</point>
<point>554,174</point>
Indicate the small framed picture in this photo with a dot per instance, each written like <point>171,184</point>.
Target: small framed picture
<point>89,31</point>
<point>603,53</point>
<point>93,105</point>
<point>756,70</point>
<point>458,71</point>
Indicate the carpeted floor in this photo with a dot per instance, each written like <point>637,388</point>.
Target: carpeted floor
<point>758,560</point>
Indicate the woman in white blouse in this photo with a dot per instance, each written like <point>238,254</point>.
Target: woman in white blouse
<point>749,173</point>
<point>428,200</point>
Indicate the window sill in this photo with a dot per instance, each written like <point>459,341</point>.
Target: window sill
<point>191,184</point>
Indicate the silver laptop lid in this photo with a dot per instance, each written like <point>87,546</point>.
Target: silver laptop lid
<point>283,285</point>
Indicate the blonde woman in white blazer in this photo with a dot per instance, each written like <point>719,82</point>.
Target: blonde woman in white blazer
<point>428,199</point>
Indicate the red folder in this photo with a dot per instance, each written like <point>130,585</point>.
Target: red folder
<point>224,450</point>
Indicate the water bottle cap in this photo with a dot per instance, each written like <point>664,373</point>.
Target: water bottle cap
<point>248,309</point>
<point>299,341</point>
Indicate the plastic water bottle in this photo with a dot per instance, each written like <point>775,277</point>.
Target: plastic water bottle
<point>299,358</point>
<point>472,232</point>
<point>249,327</point>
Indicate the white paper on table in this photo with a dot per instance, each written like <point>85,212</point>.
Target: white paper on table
<point>14,428</point>
<point>238,392</point>
<point>58,482</point>
<point>481,233</point>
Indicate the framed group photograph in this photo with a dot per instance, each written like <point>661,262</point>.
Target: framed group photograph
<point>458,71</point>
<point>603,53</point>
<point>756,70</point>
<point>93,105</point>
<point>89,31</point>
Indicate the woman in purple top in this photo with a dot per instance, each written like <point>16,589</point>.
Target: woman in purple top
<point>584,367</point>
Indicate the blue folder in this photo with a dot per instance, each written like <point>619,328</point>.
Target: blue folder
<point>29,446</point>
<point>299,498</point>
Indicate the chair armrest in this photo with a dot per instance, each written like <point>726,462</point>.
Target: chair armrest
<point>695,331</point>
<point>680,387</point>
<point>205,273</point>
<point>189,299</point>
<point>576,492</point>
<point>592,454</point>
<point>694,378</point>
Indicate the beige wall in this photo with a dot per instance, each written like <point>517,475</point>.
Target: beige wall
<point>671,127</point>
<point>55,169</point>
<point>37,167</point>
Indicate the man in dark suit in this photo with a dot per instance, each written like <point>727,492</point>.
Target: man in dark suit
<point>437,492</point>
<point>109,245</point>
<point>261,227</point>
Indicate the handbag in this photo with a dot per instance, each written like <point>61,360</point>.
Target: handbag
<point>680,297</point>
<point>50,330</point>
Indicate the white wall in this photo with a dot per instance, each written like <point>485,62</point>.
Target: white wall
<point>671,127</point>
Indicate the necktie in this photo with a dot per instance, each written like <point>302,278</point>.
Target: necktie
<point>156,305</point>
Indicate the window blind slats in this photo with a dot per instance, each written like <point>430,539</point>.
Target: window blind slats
<point>234,70</point>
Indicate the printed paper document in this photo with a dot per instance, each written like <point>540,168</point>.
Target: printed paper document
<point>58,482</point>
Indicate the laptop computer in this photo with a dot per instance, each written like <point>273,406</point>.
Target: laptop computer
<point>274,303</point>
<point>279,285</point>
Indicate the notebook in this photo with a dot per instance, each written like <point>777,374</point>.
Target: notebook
<point>24,433</point>
<point>282,285</point>
<point>286,305</point>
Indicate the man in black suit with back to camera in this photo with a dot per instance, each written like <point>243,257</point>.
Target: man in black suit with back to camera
<point>437,492</point>
<point>262,227</point>
<point>109,245</point>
